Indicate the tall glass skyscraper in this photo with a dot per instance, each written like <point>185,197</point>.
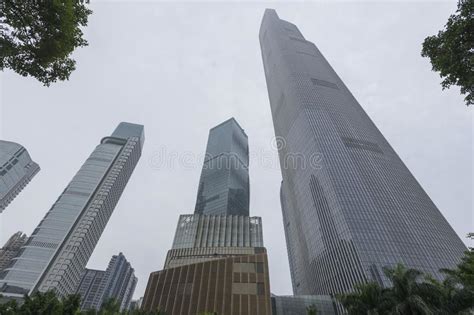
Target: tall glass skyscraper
<point>57,251</point>
<point>217,262</point>
<point>224,184</point>
<point>350,205</point>
<point>16,170</point>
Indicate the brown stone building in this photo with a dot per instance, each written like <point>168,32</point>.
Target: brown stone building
<point>228,286</point>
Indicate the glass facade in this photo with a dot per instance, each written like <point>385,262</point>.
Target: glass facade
<point>350,206</point>
<point>205,237</point>
<point>120,281</point>
<point>57,252</point>
<point>91,289</point>
<point>196,230</point>
<point>299,305</point>
<point>117,282</point>
<point>16,170</point>
<point>187,256</point>
<point>224,184</point>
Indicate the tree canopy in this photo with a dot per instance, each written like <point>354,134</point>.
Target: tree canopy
<point>415,293</point>
<point>37,37</point>
<point>451,51</point>
<point>49,304</point>
<point>311,310</point>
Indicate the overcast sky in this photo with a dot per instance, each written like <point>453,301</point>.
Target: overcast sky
<point>182,68</point>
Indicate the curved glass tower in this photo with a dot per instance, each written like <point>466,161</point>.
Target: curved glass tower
<point>350,205</point>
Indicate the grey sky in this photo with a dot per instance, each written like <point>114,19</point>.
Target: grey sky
<point>181,68</point>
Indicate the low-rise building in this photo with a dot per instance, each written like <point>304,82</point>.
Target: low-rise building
<point>11,249</point>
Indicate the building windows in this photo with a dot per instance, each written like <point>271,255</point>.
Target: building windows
<point>298,39</point>
<point>324,83</point>
<point>244,288</point>
<point>260,268</point>
<point>361,144</point>
<point>244,267</point>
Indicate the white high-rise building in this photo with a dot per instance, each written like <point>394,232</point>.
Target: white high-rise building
<point>118,282</point>
<point>16,170</point>
<point>57,252</point>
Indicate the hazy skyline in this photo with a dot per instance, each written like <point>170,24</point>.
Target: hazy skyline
<point>180,69</point>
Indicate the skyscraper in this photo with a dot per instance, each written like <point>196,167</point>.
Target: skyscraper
<point>224,183</point>
<point>217,262</point>
<point>91,289</point>
<point>121,281</point>
<point>57,252</point>
<point>16,170</point>
<point>11,248</point>
<point>118,282</point>
<point>350,206</point>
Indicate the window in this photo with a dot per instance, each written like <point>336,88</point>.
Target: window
<point>361,144</point>
<point>244,288</point>
<point>298,39</point>
<point>259,267</point>
<point>244,267</point>
<point>324,83</point>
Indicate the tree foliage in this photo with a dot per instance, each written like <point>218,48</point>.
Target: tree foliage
<point>414,293</point>
<point>311,310</point>
<point>451,51</point>
<point>42,304</point>
<point>110,307</point>
<point>367,299</point>
<point>411,293</point>
<point>49,304</point>
<point>37,37</point>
